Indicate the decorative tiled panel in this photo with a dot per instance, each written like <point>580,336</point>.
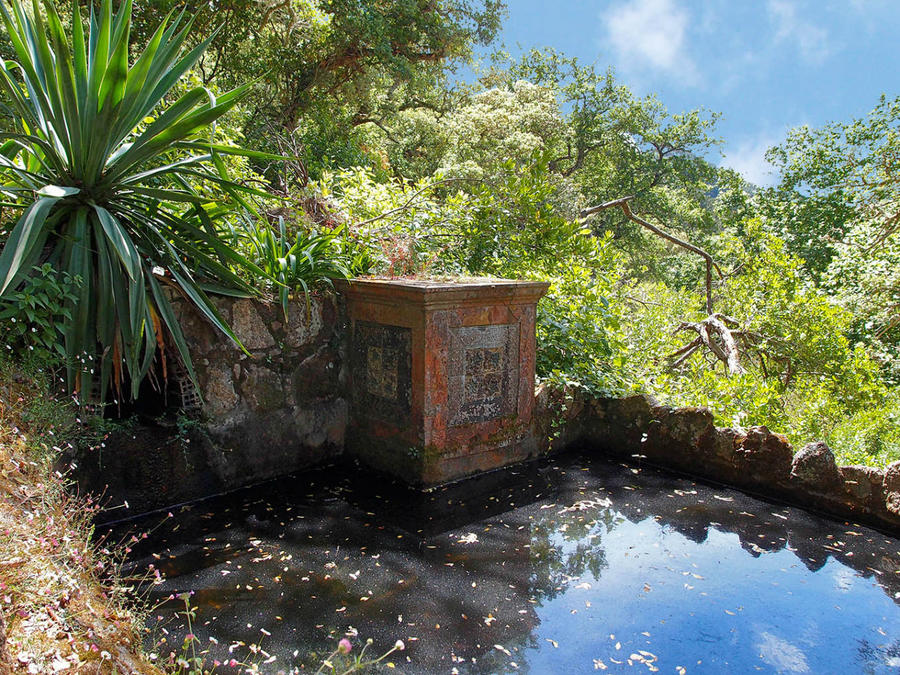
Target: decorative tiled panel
<point>483,373</point>
<point>381,366</point>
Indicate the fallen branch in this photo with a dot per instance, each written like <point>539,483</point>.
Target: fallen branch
<point>713,334</point>
<point>686,352</point>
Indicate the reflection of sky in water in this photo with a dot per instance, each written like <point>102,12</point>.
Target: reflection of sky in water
<point>715,606</point>
<point>572,566</point>
<point>782,655</point>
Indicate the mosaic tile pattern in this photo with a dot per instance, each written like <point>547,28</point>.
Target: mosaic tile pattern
<point>483,373</point>
<point>381,367</point>
<point>381,372</point>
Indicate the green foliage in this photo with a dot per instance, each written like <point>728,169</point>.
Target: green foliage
<point>804,378</point>
<point>325,70</point>
<point>864,277</point>
<point>501,125</point>
<point>301,262</point>
<point>579,329</point>
<point>33,409</point>
<point>617,144</point>
<point>32,317</point>
<point>834,178</point>
<point>394,227</point>
<point>106,180</point>
<point>519,220</point>
<point>836,207</point>
<point>794,328</point>
<point>871,436</point>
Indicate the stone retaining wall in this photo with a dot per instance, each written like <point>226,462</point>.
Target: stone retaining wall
<point>276,410</point>
<point>284,407</point>
<point>755,459</point>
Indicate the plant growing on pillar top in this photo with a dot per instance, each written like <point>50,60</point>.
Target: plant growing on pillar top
<point>114,188</point>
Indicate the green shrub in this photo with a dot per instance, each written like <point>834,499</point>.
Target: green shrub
<point>32,316</point>
<point>870,436</point>
<point>300,262</point>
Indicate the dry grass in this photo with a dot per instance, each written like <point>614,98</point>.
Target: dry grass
<point>61,609</point>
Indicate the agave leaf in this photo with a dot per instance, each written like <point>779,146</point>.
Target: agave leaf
<point>58,191</point>
<point>20,246</point>
<point>120,241</point>
<point>164,308</point>
<point>107,195</point>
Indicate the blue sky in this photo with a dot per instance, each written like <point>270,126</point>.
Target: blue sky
<point>767,65</point>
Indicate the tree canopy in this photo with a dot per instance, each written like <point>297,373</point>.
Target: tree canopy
<point>670,274</point>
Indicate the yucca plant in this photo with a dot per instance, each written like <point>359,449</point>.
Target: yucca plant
<point>107,179</point>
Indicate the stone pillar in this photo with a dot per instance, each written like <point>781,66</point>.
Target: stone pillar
<point>441,375</point>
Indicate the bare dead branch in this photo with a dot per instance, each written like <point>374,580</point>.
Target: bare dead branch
<point>415,195</point>
<point>717,338</point>
<point>686,348</point>
<point>691,348</point>
<point>623,203</point>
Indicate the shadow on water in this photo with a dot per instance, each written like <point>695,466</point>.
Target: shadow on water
<point>574,564</point>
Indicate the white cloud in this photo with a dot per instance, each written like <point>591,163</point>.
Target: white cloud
<point>781,654</point>
<point>748,159</point>
<point>811,40</point>
<point>650,35</point>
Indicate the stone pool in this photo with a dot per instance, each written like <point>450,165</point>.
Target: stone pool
<point>573,565</point>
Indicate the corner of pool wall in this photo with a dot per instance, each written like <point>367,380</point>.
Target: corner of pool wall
<point>441,375</point>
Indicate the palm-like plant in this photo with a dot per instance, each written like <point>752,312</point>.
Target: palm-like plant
<point>107,177</point>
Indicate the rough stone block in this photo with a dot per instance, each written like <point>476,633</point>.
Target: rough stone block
<point>814,468</point>
<point>305,324</point>
<point>249,326</point>
<point>680,436</point>
<point>219,395</point>
<point>892,488</point>
<point>764,458</point>
<point>618,426</point>
<point>863,486</point>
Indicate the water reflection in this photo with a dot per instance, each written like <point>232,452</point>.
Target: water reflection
<point>576,564</point>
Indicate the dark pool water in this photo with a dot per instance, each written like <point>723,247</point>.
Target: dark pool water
<point>577,565</point>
